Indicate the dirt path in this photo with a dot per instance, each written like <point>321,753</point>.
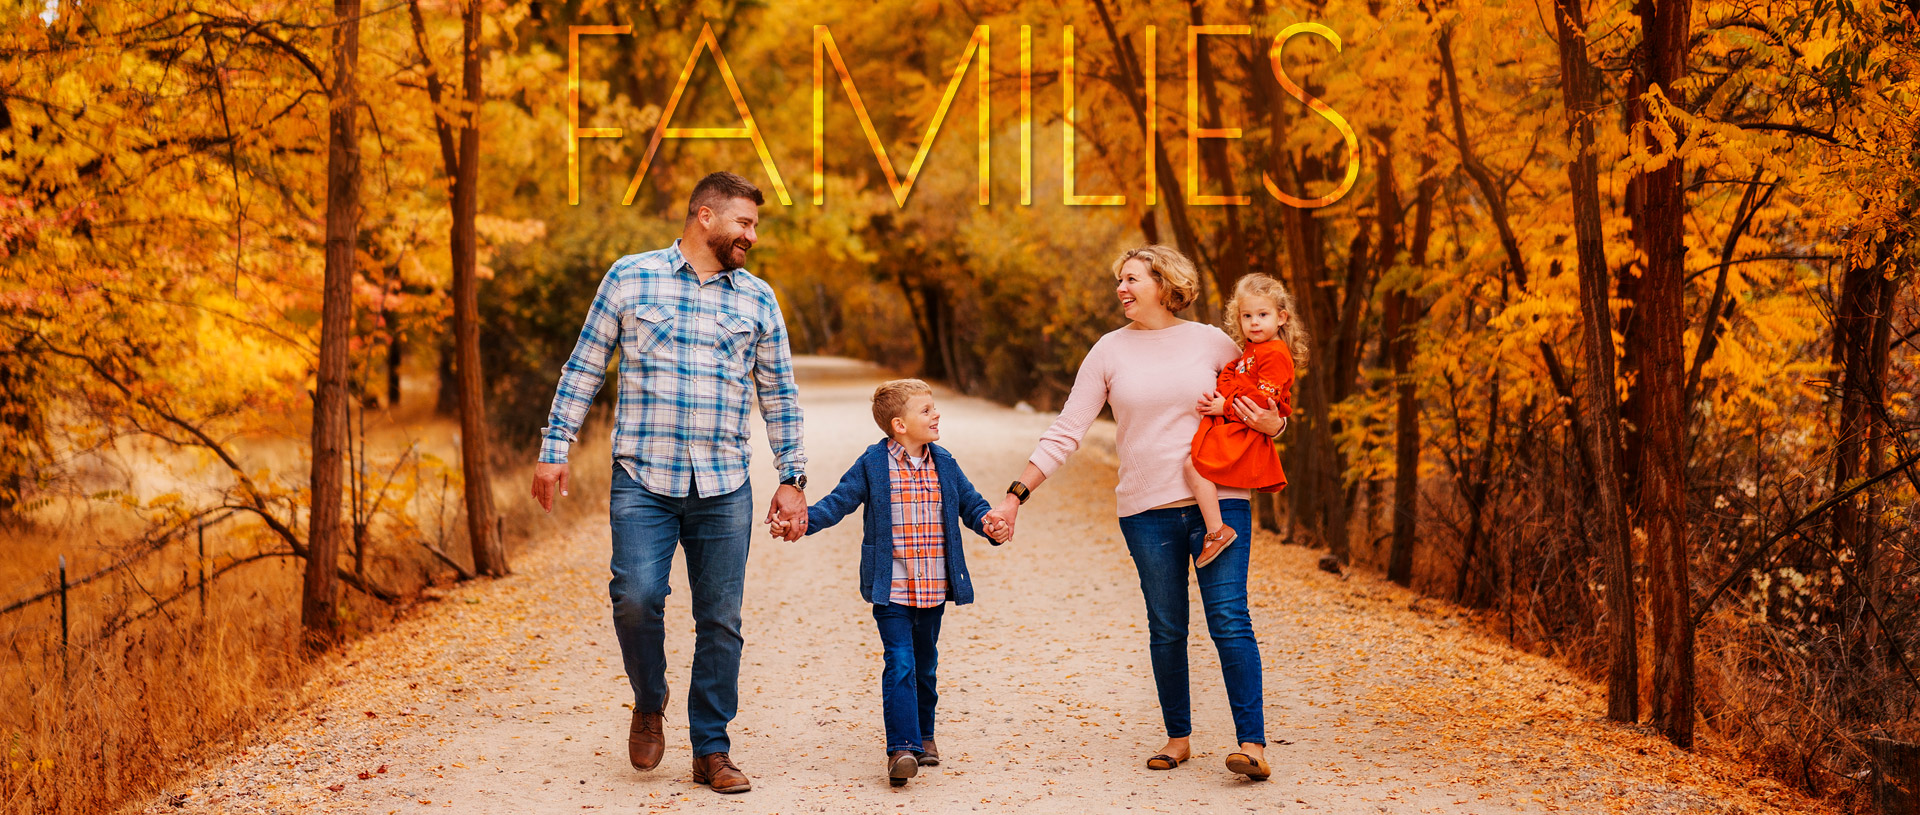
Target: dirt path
<point>509,697</point>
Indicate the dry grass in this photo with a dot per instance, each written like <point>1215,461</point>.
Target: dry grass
<point>112,718</point>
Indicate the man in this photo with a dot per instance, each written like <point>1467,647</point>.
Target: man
<point>695,331</point>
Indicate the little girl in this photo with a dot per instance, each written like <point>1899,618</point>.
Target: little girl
<point>1226,452</point>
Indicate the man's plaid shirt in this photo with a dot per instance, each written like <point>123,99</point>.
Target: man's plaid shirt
<point>919,530</point>
<point>689,352</point>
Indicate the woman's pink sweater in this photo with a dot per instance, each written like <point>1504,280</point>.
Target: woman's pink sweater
<point>1152,379</point>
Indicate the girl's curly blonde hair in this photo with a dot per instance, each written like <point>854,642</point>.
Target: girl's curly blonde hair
<point>1294,332</point>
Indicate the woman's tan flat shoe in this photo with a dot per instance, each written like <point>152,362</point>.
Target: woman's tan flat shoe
<point>1164,762</point>
<point>1254,768</point>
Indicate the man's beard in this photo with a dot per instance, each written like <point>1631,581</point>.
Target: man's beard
<point>723,248</point>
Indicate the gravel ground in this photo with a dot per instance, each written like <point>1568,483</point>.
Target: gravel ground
<point>509,696</point>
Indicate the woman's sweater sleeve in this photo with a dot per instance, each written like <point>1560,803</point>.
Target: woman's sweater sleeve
<point>1083,405</point>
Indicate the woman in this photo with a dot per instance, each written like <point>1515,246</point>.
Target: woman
<point>1158,373</point>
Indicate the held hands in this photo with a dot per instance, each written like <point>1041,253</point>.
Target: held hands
<point>546,477</point>
<point>999,529</point>
<point>1006,514</point>
<point>787,514</point>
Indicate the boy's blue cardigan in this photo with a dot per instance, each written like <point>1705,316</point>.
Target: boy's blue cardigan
<point>867,482</point>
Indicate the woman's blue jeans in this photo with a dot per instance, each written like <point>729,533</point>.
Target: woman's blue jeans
<point>1164,543</point>
<point>715,530</point>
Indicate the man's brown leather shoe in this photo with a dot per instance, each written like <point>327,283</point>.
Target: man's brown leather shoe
<point>647,737</point>
<point>716,770</point>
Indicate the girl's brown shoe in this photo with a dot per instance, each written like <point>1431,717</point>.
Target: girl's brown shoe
<point>1215,544</point>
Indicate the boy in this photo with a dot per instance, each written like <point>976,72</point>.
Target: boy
<point>911,562</point>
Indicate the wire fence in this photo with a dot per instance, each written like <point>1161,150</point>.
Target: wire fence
<point>193,582</point>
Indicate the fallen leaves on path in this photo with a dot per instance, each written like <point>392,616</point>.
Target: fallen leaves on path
<point>510,696</point>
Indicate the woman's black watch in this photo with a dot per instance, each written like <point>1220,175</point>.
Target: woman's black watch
<point>1019,490</point>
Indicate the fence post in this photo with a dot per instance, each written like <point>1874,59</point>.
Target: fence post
<point>64,662</point>
<point>203,571</point>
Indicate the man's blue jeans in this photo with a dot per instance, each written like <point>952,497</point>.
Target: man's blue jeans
<point>910,639</point>
<point>714,530</point>
<point>1164,543</point>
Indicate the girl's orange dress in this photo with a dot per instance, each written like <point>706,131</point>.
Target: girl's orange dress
<point>1225,450</point>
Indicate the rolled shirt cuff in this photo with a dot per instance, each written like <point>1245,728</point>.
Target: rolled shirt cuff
<point>554,447</point>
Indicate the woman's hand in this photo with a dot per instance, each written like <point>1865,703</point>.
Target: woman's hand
<point>1265,420</point>
<point>1009,508</point>
<point>1212,404</point>
<point>1009,512</point>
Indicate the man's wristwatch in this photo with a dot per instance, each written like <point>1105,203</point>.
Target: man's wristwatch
<point>798,482</point>
<point>1019,490</point>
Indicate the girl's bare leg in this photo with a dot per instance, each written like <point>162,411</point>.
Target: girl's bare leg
<point>1205,494</point>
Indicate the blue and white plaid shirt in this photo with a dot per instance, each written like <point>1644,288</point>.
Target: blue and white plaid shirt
<point>687,351</point>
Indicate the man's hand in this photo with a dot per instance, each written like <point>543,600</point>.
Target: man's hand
<point>789,511</point>
<point>546,477</point>
<point>1265,420</point>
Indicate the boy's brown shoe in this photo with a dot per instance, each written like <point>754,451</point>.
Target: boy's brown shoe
<point>716,770</point>
<point>647,737</point>
<point>930,754</point>
<point>901,765</point>
<point>1215,544</point>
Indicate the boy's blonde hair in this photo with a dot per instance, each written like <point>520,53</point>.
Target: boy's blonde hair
<point>1179,283</point>
<point>890,401</point>
<point>1294,332</point>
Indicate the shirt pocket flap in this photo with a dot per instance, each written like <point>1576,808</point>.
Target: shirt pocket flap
<point>653,313</point>
<point>732,324</point>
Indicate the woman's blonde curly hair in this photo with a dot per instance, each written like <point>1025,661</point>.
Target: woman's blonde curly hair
<point>1295,330</point>
<point>1179,281</point>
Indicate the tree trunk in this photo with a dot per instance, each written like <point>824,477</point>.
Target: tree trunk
<point>460,154</point>
<point>1400,311</point>
<point>1133,82</point>
<point>396,348</point>
<point>1852,333</point>
<point>1491,191</point>
<point>1860,328</point>
<point>1232,263</point>
<point>489,551</point>
<point>1314,495</point>
<point>317,613</point>
<point>446,398</point>
<point>1601,438</point>
<point>1659,224</point>
<point>923,296</point>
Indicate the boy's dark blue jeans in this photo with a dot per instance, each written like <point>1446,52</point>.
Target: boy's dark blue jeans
<point>909,637</point>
